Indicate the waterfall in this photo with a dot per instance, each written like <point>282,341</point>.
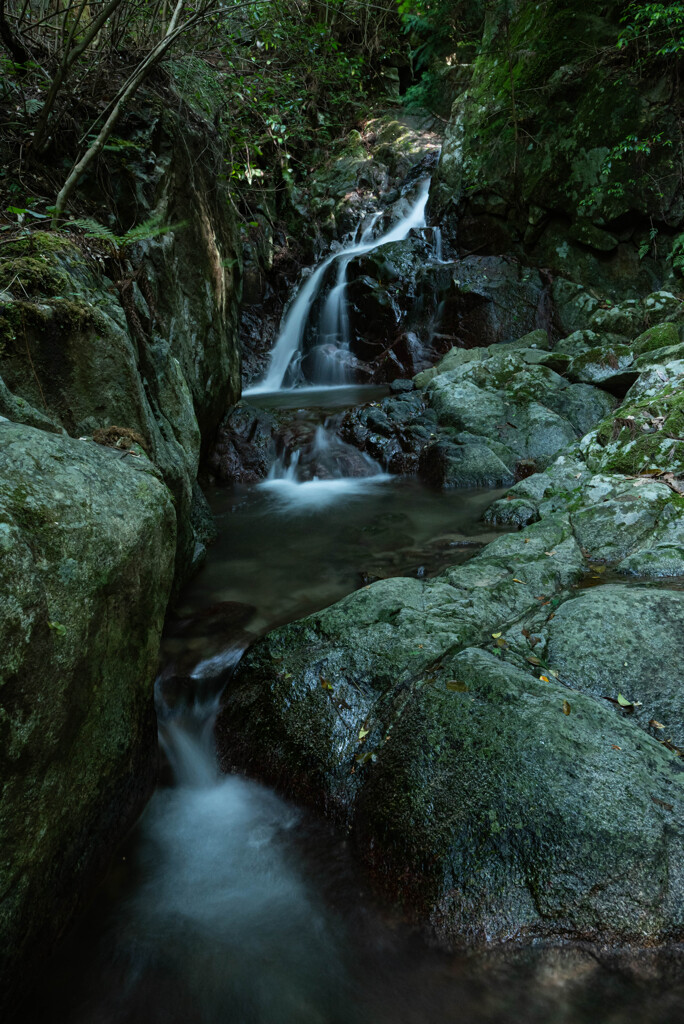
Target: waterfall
<point>333,330</point>
<point>222,914</point>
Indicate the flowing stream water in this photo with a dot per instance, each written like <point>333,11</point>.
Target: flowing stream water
<point>230,906</point>
<point>332,338</point>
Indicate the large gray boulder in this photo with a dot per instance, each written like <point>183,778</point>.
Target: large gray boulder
<point>485,780</point>
<point>625,640</point>
<point>87,544</point>
<point>501,806</point>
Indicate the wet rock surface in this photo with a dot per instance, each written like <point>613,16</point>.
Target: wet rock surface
<point>87,537</point>
<point>453,724</point>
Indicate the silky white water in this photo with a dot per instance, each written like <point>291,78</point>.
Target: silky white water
<point>333,327</point>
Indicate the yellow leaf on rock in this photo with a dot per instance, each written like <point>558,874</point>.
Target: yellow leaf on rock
<point>566,708</point>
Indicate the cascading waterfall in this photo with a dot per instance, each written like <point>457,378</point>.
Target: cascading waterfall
<point>333,331</point>
<point>325,471</point>
<point>222,911</point>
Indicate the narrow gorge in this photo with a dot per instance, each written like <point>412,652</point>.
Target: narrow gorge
<point>342,519</point>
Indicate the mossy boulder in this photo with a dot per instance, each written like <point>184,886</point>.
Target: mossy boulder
<point>445,465</point>
<point>660,336</point>
<point>88,542</point>
<point>490,803</point>
<point>307,687</point>
<point>612,527</point>
<point>498,806</point>
<point>625,640</point>
<point>645,434</point>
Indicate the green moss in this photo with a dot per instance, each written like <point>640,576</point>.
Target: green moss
<point>41,243</point>
<point>660,336</point>
<point>643,436</point>
<point>31,275</point>
<point>17,318</point>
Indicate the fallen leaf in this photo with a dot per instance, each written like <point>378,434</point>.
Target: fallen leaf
<point>326,684</point>
<point>497,635</point>
<point>532,660</point>
<point>566,707</point>
<point>501,642</point>
<point>553,672</point>
<point>624,703</point>
<point>518,581</point>
<point>58,628</point>
<point>656,725</point>
<point>549,553</point>
<point>456,687</point>
<point>662,803</point>
<point>615,747</point>
<point>363,733</point>
<point>545,679</point>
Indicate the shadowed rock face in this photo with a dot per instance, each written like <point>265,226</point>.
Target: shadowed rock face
<point>88,542</point>
<point>93,538</point>
<point>157,355</point>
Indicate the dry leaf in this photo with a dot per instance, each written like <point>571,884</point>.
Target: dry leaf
<point>545,679</point>
<point>566,707</point>
<point>656,725</point>
<point>456,687</point>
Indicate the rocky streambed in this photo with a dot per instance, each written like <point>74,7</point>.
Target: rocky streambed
<point>503,740</point>
<point>459,592</point>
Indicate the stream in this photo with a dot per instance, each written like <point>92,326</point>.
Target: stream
<point>228,905</point>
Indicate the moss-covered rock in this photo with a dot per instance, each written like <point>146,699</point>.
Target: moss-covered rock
<point>645,434</point>
<point>501,806</point>
<point>625,640</point>
<point>660,336</point>
<point>159,357</point>
<point>87,542</point>
<point>486,800</point>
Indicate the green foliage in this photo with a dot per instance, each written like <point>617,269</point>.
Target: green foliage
<point>677,254</point>
<point>439,31</point>
<point>629,158</point>
<point>278,79</point>
<point>150,228</point>
<point>659,27</point>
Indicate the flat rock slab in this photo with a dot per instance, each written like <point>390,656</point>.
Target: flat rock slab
<point>625,640</point>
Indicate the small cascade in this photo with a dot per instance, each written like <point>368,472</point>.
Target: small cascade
<point>186,719</point>
<point>222,916</point>
<point>328,358</point>
<point>322,471</point>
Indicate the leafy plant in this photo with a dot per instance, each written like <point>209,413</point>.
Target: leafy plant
<point>150,228</point>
